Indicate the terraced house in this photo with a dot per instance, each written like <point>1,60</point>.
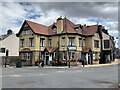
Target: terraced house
<point>58,43</point>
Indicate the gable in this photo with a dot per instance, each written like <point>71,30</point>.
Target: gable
<point>34,27</point>
<point>25,27</point>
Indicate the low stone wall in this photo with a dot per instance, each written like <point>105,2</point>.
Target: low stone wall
<point>11,60</point>
<point>74,63</point>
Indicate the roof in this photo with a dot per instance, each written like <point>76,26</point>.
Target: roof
<point>68,27</point>
<point>2,37</point>
<point>38,28</point>
<point>90,30</point>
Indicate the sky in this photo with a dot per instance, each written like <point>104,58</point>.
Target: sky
<point>13,14</point>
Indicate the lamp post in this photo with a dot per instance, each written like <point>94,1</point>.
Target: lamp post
<point>82,44</point>
<point>7,52</point>
<point>69,58</point>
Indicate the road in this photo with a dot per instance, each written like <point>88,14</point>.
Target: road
<point>83,77</point>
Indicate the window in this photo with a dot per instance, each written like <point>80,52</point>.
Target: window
<point>80,42</point>
<point>72,55</point>
<point>50,42</point>
<point>31,42</point>
<point>21,42</point>
<point>2,50</point>
<point>63,41</point>
<point>106,44</point>
<point>42,42</point>
<point>64,58</point>
<point>27,31</point>
<point>71,41</point>
<point>25,56</point>
<point>54,30</point>
<point>78,30</point>
<point>96,43</point>
<point>83,42</point>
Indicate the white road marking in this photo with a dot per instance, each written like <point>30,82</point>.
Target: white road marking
<point>15,75</point>
<point>60,71</point>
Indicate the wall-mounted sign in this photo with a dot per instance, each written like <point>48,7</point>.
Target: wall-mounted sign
<point>71,48</point>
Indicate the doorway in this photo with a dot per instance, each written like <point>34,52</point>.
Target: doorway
<point>46,58</point>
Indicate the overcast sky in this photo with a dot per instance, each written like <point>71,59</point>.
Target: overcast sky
<point>14,13</point>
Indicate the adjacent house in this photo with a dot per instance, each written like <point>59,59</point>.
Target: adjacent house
<point>9,45</point>
<point>59,43</point>
<point>92,43</point>
<point>108,47</point>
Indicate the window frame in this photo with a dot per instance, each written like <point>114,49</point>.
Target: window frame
<point>2,51</point>
<point>42,42</point>
<point>96,43</point>
<point>22,42</point>
<point>71,41</point>
<point>27,31</point>
<point>108,44</point>
<point>50,42</point>
<point>31,42</point>
<point>63,42</point>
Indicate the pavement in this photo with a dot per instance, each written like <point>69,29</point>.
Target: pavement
<point>80,66</point>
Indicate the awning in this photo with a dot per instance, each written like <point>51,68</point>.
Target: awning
<point>25,50</point>
<point>51,49</point>
<point>86,50</point>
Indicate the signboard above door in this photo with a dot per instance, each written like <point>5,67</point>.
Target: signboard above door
<point>72,48</point>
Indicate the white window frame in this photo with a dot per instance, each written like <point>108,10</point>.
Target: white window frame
<point>27,32</point>
<point>31,42</point>
<point>42,42</point>
<point>63,41</point>
<point>72,41</point>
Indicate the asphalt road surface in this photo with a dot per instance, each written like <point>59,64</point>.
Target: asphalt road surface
<point>94,77</point>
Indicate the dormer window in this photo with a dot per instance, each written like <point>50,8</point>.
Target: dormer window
<point>54,29</point>
<point>78,30</point>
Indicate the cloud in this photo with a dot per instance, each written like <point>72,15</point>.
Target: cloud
<point>14,13</point>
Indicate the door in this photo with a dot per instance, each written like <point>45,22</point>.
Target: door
<point>47,59</point>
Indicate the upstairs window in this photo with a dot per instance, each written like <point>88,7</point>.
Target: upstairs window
<point>63,41</point>
<point>80,42</point>
<point>27,32</point>
<point>42,42</point>
<point>50,42</point>
<point>31,42</point>
<point>106,44</point>
<point>71,41</point>
<point>54,29</point>
<point>78,30</point>
<point>21,42</point>
<point>96,43</point>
